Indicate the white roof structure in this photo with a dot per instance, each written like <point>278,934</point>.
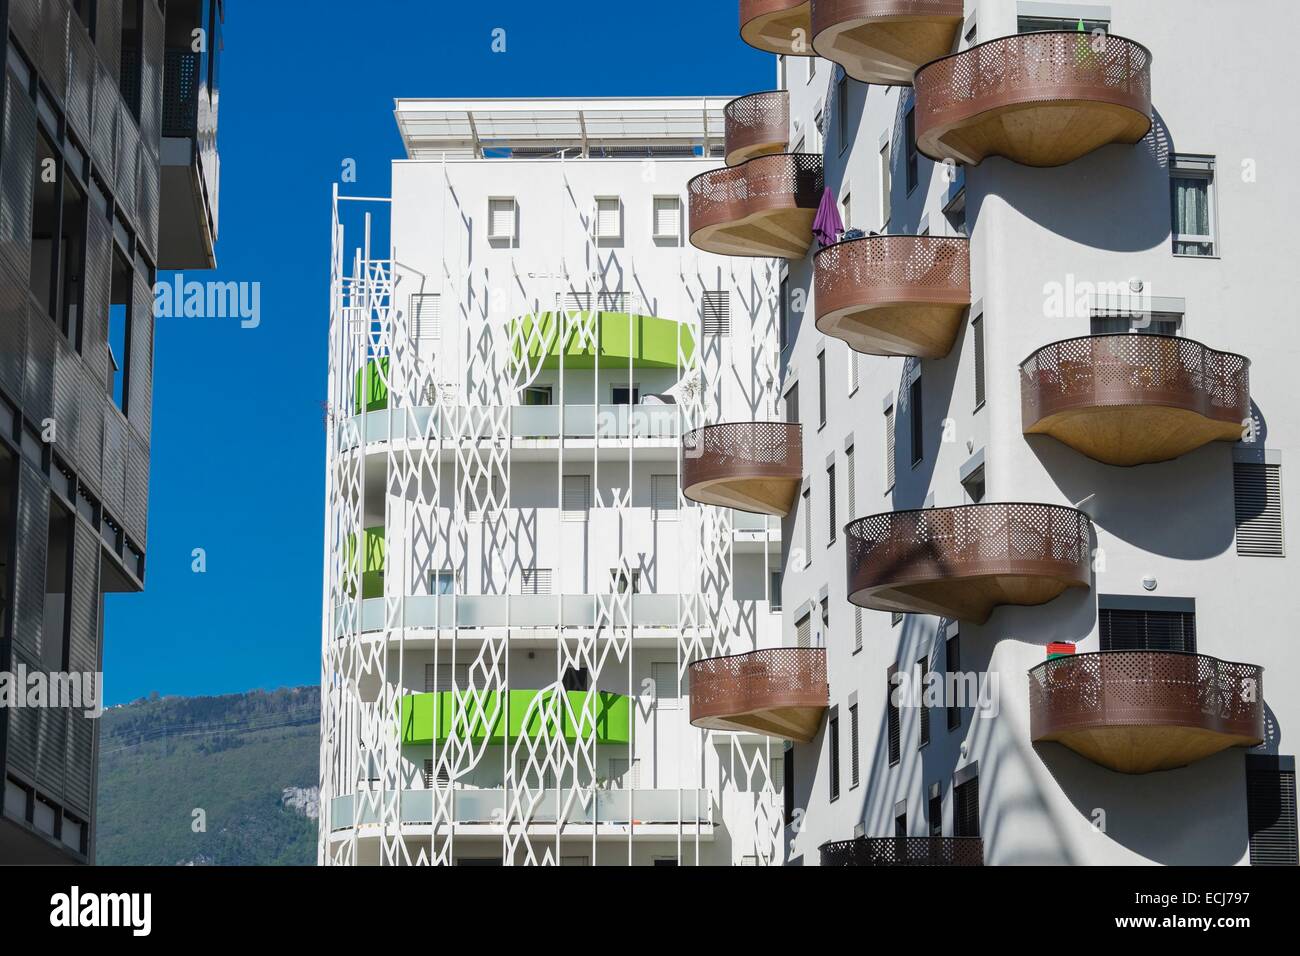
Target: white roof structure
<point>536,128</point>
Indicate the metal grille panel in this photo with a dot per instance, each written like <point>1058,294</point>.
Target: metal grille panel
<point>742,450</point>
<point>904,851</point>
<point>760,680</point>
<point>783,181</point>
<point>876,270</point>
<point>757,119</point>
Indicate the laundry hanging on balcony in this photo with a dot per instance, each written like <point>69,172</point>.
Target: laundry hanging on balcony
<point>827,226</point>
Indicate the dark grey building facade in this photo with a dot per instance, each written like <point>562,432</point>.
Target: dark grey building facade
<point>108,174</point>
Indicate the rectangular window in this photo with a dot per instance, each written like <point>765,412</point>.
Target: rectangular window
<point>120,316</point>
<point>444,678</point>
<point>851,476</point>
<point>538,395</point>
<point>857,629</point>
<point>716,308</point>
<point>1257,502</point>
<point>889,449</point>
<point>792,405</point>
<point>830,505</point>
<point>132,59</point>
<point>1147,323</point>
<point>503,218</point>
<point>47,174</point>
<point>663,497</point>
<point>1192,200</point>
<point>833,742</point>
<point>803,631</point>
<point>821,387</point>
<point>935,813</point>
<point>535,581</point>
<point>664,676</point>
<point>977,333</point>
<point>1271,810</point>
<point>826,621</point>
<point>8,480</point>
<point>783,317</point>
<point>668,218</point>
<point>1147,630</point>
<point>807,527</point>
<point>966,808</point>
<point>923,665</point>
<point>787,786</point>
<point>842,115</point>
<point>895,618</point>
<point>893,725</point>
<point>952,660</point>
<point>1053,24</point>
<point>624,582</point>
<point>442,582</point>
<point>426,317</point>
<point>884,188</point>
<point>909,141</point>
<point>847,216</point>
<point>625,395</point>
<point>774,590</point>
<point>855,369</point>
<point>609,217</point>
<point>900,824</point>
<point>575,679</point>
<point>918,421</point>
<point>973,486</point>
<point>855,765</point>
<point>57,622</point>
<point>577,497</point>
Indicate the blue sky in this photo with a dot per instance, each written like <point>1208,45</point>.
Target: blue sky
<point>238,434</point>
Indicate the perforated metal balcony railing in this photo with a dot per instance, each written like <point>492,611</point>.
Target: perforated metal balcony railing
<point>1130,399</point>
<point>750,466</point>
<point>894,295</point>
<point>904,851</point>
<point>1139,711</point>
<point>1041,99</point>
<point>962,562</point>
<point>885,41</point>
<point>757,125</point>
<point>764,207</point>
<point>777,692</point>
<point>778,26</point>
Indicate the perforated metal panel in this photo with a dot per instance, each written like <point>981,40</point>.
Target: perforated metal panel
<point>127,170</point>
<point>783,180</point>
<point>757,119</point>
<point>54,46</point>
<point>67,401</point>
<point>114,476</point>
<point>38,382</point>
<point>140,401</point>
<point>136,513</point>
<point>13,332</point>
<point>93,400</point>
<point>108,34</point>
<point>33,526</point>
<point>151,80</point>
<point>103,140</point>
<point>52,752</point>
<point>771,678</point>
<point>81,79</point>
<point>904,851</point>
<point>25,24</point>
<point>98,290</point>
<point>181,93</point>
<point>17,163</point>
<point>882,269</point>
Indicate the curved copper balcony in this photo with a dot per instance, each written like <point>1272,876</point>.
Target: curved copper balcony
<point>904,851</point>
<point>1139,711</point>
<point>757,125</point>
<point>963,562</point>
<point>885,41</point>
<point>778,26</point>
<point>1041,99</point>
<point>778,692</point>
<point>1130,399</point>
<point>894,295</point>
<point>750,466</point>
<point>763,207</point>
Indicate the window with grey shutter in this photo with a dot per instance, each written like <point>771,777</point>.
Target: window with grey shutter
<point>807,526</point>
<point>535,581</point>
<point>893,728</point>
<point>787,786</point>
<point>1126,629</point>
<point>966,808</point>
<point>664,675</point>
<point>917,421</point>
<point>857,629</point>
<point>833,742</point>
<point>851,476</point>
<point>446,677</point>
<point>667,217</point>
<point>830,505</point>
<point>716,308</point>
<point>952,662</point>
<point>426,317</point>
<point>821,387</point>
<point>803,631</point>
<point>977,332</point>
<point>924,666</point>
<point>573,301</point>
<point>792,405</point>
<point>1257,498</point>
<point>889,448</point>
<point>1271,810</point>
<point>855,765</point>
<point>502,214</point>
<point>576,497</point>
<point>609,217</point>
<point>663,496</point>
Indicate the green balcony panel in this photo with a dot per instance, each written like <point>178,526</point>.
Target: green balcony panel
<point>647,341</point>
<point>372,562</point>
<point>372,386</point>
<point>482,717</point>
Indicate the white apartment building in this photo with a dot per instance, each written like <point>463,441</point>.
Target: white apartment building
<point>1046,433</point>
<point>514,586</point>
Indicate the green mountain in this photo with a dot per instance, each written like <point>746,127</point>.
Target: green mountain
<point>220,781</point>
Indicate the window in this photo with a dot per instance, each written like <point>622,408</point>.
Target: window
<point>1271,810</point>
<point>812,68</point>
<point>855,765</point>
<point>842,114</point>
<point>792,405</point>
<point>966,808</point>
<point>535,581</point>
<point>857,629</point>
<point>952,660</point>
<point>609,217</point>
<point>443,678</point>
<point>889,449</point>
<point>973,486</point>
<point>803,631</point>
<point>538,395</point>
<point>774,590</point>
<point>851,481</point>
<point>120,315</point>
<point>884,188</point>
<point>503,218</point>
<point>935,813</point>
<point>426,318</point>
<point>782,73</point>
<point>85,10</point>
<point>807,527</point>
<point>441,780</point>
<point>664,676</point>
<point>854,372</point>
<point>826,620</point>
<point>625,394</point>
<point>900,824</point>
<point>668,218</point>
<point>895,618</point>
<point>624,582</point>
<point>47,175</point>
<point>663,497</point>
<point>847,205</point>
<point>577,497</point>
<point>1044,24</point>
<point>442,582</point>
<point>132,61</point>
<point>1147,323</point>
<point>576,679</point>
<point>783,316</point>
<point>833,742</point>
<point>821,387</point>
<point>1128,629</point>
<point>56,626</point>
<point>787,786</point>
<point>1257,501</point>
<point>917,421</point>
<point>717,313</point>
<point>573,302</point>
<point>977,333</point>
<point>892,718</point>
<point>909,144</point>
<point>924,666</point>
<point>830,505</point>
<point>1192,198</point>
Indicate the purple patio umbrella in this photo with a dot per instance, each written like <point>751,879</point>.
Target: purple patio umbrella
<point>828,225</point>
